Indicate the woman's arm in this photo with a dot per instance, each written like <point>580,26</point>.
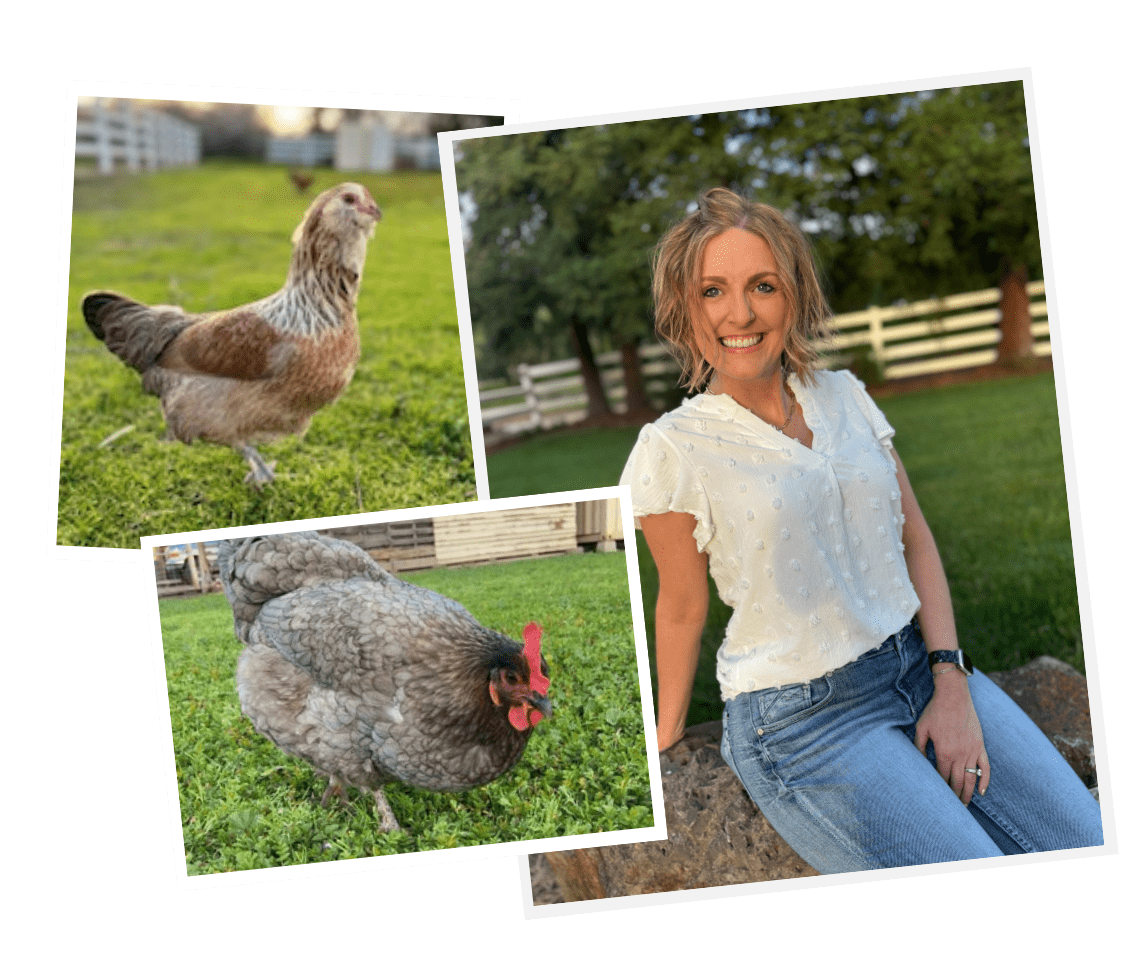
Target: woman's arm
<point>680,614</point>
<point>949,720</point>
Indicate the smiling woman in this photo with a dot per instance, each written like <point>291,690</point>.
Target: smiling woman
<point>852,718</point>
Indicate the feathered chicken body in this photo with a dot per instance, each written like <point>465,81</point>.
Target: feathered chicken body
<point>371,679</point>
<point>262,370</point>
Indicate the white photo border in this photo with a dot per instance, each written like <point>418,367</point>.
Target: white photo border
<point>184,882</point>
<point>1086,617</point>
<point>507,109</point>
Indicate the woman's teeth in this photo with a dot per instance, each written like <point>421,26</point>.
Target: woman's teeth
<point>740,342</point>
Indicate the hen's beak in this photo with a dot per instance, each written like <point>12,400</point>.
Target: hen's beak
<point>540,703</point>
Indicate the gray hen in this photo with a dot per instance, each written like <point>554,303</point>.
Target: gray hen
<point>371,679</point>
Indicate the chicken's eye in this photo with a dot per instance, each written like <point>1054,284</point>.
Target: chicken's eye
<point>511,678</point>
<point>349,198</point>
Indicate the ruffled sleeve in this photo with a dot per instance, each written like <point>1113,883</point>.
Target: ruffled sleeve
<point>881,428</point>
<point>662,479</point>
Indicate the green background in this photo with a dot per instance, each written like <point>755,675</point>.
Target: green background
<point>88,853</point>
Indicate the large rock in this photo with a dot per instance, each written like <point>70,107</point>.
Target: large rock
<point>717,835</point>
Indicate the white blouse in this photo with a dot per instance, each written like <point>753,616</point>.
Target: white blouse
<point>805,544</point>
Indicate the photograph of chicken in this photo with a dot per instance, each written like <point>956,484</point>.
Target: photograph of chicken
<point>258,371</point>
<point>371,679</point>
<point>452,677</point>
<point>353,373</point>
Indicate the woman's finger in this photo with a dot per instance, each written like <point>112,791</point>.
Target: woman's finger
<point>985,766</point>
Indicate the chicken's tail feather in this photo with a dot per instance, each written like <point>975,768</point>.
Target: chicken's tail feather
<point>259,568</point>
<point>137,334</point>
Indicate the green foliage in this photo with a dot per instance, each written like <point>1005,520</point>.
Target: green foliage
<point>985,461</point>
<point>245,804</point>
<point>905,196</point>
<point>217,236</point>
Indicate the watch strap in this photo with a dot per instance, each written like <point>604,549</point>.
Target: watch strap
<point>956,657</point>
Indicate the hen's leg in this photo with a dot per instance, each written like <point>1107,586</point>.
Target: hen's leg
<point>337,788</point>
<point>389,821</point>
<point>260,473</point>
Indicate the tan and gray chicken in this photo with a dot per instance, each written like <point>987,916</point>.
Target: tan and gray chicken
<point>259,371</point>
<point>371,679</point>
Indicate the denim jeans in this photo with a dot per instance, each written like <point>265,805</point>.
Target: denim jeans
<point>832,765</point>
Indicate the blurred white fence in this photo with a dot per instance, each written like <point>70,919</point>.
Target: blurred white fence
<point>314,150</point>
<point>135,138</point>
<point>929,336</point>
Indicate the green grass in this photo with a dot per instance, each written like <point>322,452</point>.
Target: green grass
<point>245,804</point>
<point>218,236</point>
<point>986,463</point>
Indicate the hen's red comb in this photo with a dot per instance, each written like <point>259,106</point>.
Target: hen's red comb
<point>531,635</point>
<point>523,716</point>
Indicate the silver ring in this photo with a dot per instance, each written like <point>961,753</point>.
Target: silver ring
<point>974,771</point>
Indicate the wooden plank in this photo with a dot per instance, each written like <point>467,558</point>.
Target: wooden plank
<point>507,533</point>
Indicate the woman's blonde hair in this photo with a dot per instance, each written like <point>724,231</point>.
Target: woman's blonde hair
<point>677,261</point>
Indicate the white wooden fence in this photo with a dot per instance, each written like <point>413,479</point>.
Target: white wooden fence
<point>936,335</point>
<point>929,336</point>
<point>134,137</point>
<point>313,150</point>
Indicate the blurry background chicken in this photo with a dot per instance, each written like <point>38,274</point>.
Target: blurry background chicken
<point>371,679</point>
<point>259,371</point>
<point>301,181</point>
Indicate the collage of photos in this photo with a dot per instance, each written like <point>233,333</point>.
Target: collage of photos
<point>676,503</point>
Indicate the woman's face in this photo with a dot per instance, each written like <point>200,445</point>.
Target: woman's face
<point>740,320</point>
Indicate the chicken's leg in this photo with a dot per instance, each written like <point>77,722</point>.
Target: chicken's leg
<point>389,821</point>
<point>261,474</point>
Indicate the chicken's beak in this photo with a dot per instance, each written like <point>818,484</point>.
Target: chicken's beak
<point>541,703</point>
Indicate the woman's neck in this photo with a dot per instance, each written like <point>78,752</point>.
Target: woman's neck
<point>769,399</point>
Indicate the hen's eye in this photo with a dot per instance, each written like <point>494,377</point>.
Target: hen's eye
<point>511,678</point>
<point>349,198</point>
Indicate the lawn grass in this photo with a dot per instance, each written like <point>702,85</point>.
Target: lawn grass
<point>216,236</point>
<point>245,804</point>
<point>986,463</point>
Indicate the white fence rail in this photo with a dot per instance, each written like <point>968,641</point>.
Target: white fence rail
<point>937,335</point>
<point>135,138</point>
<point>313,150</point>
<point>921,338</point>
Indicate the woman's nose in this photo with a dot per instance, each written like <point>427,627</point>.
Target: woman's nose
<point>743,311</point>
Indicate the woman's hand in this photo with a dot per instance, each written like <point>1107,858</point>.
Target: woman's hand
<point>950,723</point>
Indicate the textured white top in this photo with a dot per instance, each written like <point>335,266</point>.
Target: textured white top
<point>804,544</point>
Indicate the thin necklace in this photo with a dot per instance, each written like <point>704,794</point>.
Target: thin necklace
<point>792,407</point>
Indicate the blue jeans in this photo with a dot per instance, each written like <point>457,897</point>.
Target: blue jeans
<point>832,765</point>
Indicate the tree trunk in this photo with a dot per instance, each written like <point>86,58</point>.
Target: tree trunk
<point>597,405</point>
<point>637,401</point>
<point>1017,344</point>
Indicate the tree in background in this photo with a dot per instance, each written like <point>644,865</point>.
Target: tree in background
<point>904,195</point>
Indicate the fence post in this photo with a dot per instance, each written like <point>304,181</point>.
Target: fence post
<point>105,160</point>
<point>1016,343</point>
<point>876,335</point>
<point>525,381</point>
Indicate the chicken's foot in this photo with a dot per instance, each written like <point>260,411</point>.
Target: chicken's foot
<point>260,474</point>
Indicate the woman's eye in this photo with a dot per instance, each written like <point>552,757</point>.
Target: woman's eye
<point>711,291</point>
<point>765,287</point>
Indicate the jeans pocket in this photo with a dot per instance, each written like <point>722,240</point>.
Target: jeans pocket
<point>774,709</point>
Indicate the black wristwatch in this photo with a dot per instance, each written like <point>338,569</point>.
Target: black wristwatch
<point>958,658</point>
